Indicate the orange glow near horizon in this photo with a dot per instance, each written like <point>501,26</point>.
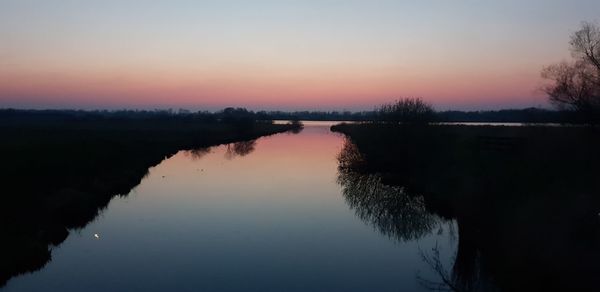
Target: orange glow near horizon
<point>328,88</point>
<point>273,55</point>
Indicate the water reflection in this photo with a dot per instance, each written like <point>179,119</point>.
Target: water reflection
<point>272,221</point>
<point>31,228</point>
<point>398,215</point>
<point>455,278</point>
<point>403,217</point>
<point>242,148</point>
<point>523,222</point>
<point>388,208</point>
<point>198,153</point>
<point>233,150</point>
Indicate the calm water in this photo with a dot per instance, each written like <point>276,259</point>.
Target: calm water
<point>263,216</point>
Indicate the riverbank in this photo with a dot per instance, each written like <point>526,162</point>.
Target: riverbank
<point>525,199</point>
<point>59,172</point>
<point>456,152</point>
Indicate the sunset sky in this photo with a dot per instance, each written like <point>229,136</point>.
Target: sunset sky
<point>286,54</point>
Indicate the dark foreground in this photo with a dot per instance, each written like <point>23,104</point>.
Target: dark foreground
<point>526,199</point>
<point>58,171</point>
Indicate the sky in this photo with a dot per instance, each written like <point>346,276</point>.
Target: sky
<point>285,55</point>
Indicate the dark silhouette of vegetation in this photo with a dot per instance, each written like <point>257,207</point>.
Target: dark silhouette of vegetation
<point>297,125</point>
<point>406,111</point>
<point>241,148</point>
<point>198,153</point>
<point>320,115</point>
<point>388,208</point>
<point>527,115</point>
<point>576,85</point>
<point>446,283</point>
<point>61,168</point>
<point>525,199</point>
<point>240,117</point>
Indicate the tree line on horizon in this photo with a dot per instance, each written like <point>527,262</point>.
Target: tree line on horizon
<point>573,89</point>
<point>527,115</point>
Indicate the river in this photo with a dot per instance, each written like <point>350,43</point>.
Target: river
<point>264,215</point>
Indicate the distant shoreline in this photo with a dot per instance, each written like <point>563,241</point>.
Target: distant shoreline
<point>505,116</point>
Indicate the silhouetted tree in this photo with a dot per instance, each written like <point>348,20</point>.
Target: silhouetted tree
<point>407,111</point>
<point>575,85</point>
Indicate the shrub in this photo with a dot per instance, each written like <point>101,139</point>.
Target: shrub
<point>406,111</point>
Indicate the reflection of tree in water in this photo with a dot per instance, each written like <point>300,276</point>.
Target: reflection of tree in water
<point>240,149</point>
<point>234,149</point>
<point>456,279</point>
<point>198,153</point>
<point>404,217</point>
<point>389,208</point>
<point>446,283</point>
<point>295,131</point>
<point>525,199</point>
<point>349,159</point>
<point>393,212</point>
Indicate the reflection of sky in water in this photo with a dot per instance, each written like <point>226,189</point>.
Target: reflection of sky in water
<point>273,219</point>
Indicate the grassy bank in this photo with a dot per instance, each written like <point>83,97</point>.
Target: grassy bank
<point>59,171</point>
<point>462,158</point>
<point>525,198</point>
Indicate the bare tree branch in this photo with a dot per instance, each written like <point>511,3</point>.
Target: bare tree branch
<point>575,85</point>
